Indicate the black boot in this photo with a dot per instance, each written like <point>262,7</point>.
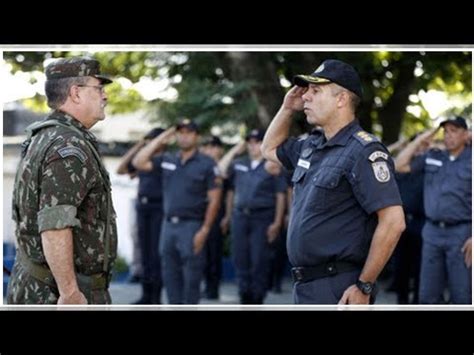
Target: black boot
<point>156,293</point>
<point>245,298</point>
<point>146,298</point>
<point>256,299</point>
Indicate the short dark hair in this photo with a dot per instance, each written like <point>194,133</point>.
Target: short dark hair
<point>57,90</point>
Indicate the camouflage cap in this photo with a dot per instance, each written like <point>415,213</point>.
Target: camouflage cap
<point>75,67</point>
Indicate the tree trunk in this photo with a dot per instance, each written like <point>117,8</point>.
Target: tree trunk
<point>391,115</point>
<point>265,91</point>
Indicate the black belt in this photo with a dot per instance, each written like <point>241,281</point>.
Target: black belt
<point>443,224</point>
<point>177,219</point>
<point>145,200</point>
<point>250,211</point>
<point>308,273</point>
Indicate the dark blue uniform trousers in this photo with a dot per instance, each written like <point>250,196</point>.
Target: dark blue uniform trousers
<point>149,221</point>
<point>251,253</point>
<point>325,290</point>
<point>442,260</point>
<point>182,269</point>
<point>214,250</point>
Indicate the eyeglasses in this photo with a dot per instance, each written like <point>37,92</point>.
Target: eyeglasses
<point>98,87</point>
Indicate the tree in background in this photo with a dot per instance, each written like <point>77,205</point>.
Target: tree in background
<point>234,91</point>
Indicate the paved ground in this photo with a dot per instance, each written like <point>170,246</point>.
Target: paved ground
<point>127,293</point>
<point>124,293</point>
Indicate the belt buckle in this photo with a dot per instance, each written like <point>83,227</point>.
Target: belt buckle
<point>331,269</point>
<point>174,219</point>
<point>298,273</point>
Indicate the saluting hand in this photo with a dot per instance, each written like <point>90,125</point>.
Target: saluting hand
<point>352,295</point>
<point>293,99</point>
<point>168,135</point>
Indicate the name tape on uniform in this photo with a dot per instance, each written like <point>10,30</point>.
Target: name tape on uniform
<point>304,163</point>
<point>431,161</point>
<point>241,167</point>
<point>168,166</point>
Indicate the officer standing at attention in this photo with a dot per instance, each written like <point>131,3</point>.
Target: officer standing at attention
<point>65,222</point>
<point>346,215</point>
<point>149,211</point>
<point>191,200</point>
<point>214,247</point>
<point>447,238</point>
<point>258,200</point>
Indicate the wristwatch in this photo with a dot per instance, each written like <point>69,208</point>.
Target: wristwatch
<point>366,287</point>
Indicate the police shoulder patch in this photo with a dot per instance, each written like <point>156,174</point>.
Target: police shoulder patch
<point>381,171</point>
<point>365,138</point>
<point>73,151</point>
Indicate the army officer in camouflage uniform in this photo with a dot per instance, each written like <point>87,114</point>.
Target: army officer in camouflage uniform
<point>65,222</point>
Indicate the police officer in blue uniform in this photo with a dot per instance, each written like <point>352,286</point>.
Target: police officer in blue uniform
<point>407,254</point>
<point>214,148</point>
<point>191,199</point>
<point>447,239</point>
<point>258,200</point>
<point>346,215</point>
<point>149,208</point>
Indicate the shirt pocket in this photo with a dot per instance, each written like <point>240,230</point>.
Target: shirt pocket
<point>430,172</point>
<point>465,177</point>
<point>197,183</point>
<point>327,189</point>
<point>297,179</point>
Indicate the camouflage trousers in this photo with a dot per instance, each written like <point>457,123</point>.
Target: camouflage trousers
<point>24,289</point>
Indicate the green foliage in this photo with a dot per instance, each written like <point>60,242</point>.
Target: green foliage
<point>215,90</point>
<point>120,265</point>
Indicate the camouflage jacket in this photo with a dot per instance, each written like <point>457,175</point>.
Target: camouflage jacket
<point>60,184</point>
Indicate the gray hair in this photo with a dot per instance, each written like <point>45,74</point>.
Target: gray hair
<point>57,90</point>
<point>353,98</point>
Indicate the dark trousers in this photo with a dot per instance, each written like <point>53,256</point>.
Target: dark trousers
<point>407,262</point>
<point>149,221</point>
<point>182,269</point>
<point>325,290</point>
<point>278,262</point>
<point>213,269</point>
<point>442,264</point>
<point>251,253</point>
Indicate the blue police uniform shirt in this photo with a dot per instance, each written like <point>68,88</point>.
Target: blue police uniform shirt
<point>185,186</point>
<point>447,185</point>
<point>338,185</point>
<point>254,188</point>
<point>149,183</point>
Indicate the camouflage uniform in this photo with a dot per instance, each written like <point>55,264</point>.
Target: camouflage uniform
<point>61,183</point>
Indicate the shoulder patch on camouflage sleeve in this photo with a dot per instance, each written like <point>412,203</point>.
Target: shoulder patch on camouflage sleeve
<point>365,138</point>
<point>73,151</point>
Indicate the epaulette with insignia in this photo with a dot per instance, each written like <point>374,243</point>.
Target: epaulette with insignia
<point>365,138</point>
